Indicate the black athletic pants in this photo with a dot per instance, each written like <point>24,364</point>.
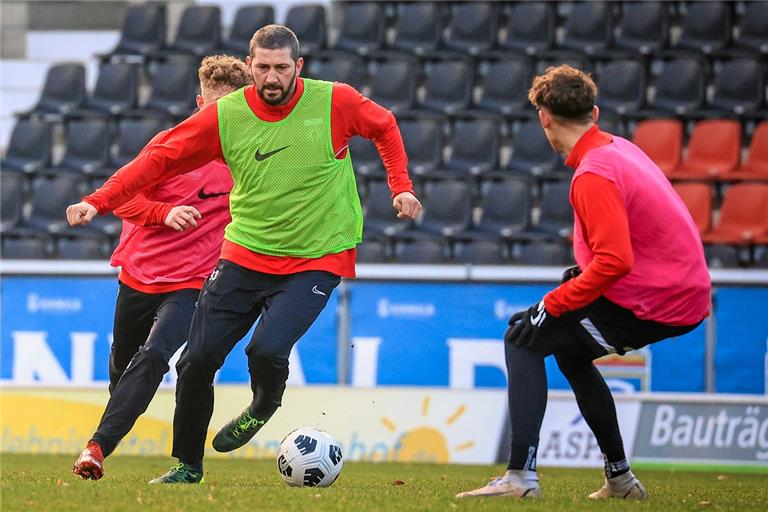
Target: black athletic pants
<point>232,299</point>
<point>148,330</point>
<point>575,339</point>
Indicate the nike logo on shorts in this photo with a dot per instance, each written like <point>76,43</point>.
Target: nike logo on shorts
<point>316,291</point>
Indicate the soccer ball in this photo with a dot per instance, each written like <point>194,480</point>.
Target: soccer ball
<point>309,457</point>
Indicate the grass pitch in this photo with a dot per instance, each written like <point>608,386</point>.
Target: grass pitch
<point>44,482</point>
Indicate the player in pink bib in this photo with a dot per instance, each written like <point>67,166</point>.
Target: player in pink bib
<point>641,278</point>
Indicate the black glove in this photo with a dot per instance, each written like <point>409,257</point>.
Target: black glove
<point>525,327</point>
<point>570,273</point>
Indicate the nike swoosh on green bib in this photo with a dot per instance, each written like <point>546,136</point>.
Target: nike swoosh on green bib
<point>263,156</point>
<point>301,203</point>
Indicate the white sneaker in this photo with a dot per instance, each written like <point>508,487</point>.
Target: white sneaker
<point>514,484</point>
<point>625,487</point>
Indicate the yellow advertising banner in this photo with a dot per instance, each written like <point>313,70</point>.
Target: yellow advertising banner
<point>372,424</point>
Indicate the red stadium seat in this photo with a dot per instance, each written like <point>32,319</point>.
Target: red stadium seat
<point>756,165</point>
<point>661,140</point>
<point>743,216</point>
<point>714,149</point>
<point>698,198</point>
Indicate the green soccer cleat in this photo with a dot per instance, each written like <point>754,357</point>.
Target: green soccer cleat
<point>180,474</point>
<point>237,432</point>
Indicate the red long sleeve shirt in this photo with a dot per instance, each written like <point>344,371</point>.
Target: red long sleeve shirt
<point>599,206</point>
<point>195,141</point>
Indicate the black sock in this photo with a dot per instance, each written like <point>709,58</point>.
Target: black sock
<point>614,469</point>
<point>194,466</point>
<point>522,457</point>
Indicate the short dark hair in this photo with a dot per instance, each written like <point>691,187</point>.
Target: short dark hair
<point>566,92</point>
<point>275,37</point>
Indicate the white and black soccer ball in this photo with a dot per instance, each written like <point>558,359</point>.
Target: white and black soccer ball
<point>309,457</point>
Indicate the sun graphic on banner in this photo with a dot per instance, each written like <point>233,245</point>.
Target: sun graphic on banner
<point>426,443</point>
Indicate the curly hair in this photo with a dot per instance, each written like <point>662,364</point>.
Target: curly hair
<point>223,73</point>
<point>566,92</point>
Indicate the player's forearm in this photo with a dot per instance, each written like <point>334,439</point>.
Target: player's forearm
<point>144,212</point>
<point>390,146</point>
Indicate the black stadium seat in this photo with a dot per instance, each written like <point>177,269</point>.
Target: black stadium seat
<point>87,146</point>
<point>447,208</point>
<point>479,252</point>
<point>680,88</point>
<point>621,86</point>
<point>25,247</point>
<point>424,142</point>
<point>12,190</point>
<point>363,27</point>
<point>198,33</point>
<point>337,68</point>
<point>308,23</point>
<point>63,91</point>
<point>505,87</point>
<point>739,87</point>
<point>380,217</point>
<point>531,152</point>
<point>365,157</point>
<point>116,91</point>
<point>248,19</point>
<point>80,249</point>
<point>752,27</point>
<point>132,136</point>
<point>541,253</point>
<point>706,27</point>
<point>29,149</point>
<point>50,198</point>
<point>505,209</point>
<point>371,251</point>
<point>589,28</point>
<point>448,86</point>
<point>174,87</point>
<point>473,28</point>
<point>143,31</point>
<point>530,27</point>
<point>393,84</point>
<point>418,29</point>
<point>556,217</point>
<point>420,252</point>
<point>644,27</point>
<point>475,147</point>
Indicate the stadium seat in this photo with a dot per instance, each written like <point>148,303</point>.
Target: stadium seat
<point>365,157</point>
<point>752,27</point>
<point>336,68</point>
<point>79,249</point>
<point>556,215</point>
<point>761,256</point>
<point>531,152</point>
<point>755,167</point>
<point>698,198</point>
<point>420,251</point>
<point>644,27</point>
<point>29,149</point>
<point>713,149</point>
<point>662,141</point>
<point>575,60</point>
<point>448,86</point>
<point>418,29</point>
<point>621,86</point>
<point>505,87</point>
<point>680,87</point>
<point>588,28</point>
<point>143,31</point>
<point>248,19</point>
<point>423,140</point>
<point>530,27</point>
<point>132,136</point>
<point>87,146</point>
<point>447,208</point>
<point>308,23</point>
<point>198,33</point>
<point>504,209</point>
<point>25,247</point>
<point>473,28</point>
<point>721,256</point>
<point>363,27</point>
<point>50,197</point>
<point>371,251</point>
<point>743,215</point>
<point>380,217</point>
<point>479,252</point>
<point>739,87</point>
<point>475,148</point>
<point>174,87</point>
<point>706,27</point>
<point>393,84</point>
<point>116,91</point>
<point>12,204</point>
<point>63,91</point>
<point>540,253</point>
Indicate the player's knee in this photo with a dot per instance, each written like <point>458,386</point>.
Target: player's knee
<point>198,362</point>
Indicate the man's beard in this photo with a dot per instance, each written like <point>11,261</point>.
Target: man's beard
<point>275,87</point>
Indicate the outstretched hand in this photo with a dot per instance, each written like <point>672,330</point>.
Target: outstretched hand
<point>407,206</point>
<point>81,213</point>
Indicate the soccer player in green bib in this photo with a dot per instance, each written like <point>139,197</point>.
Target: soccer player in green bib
<point>296,219</point>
